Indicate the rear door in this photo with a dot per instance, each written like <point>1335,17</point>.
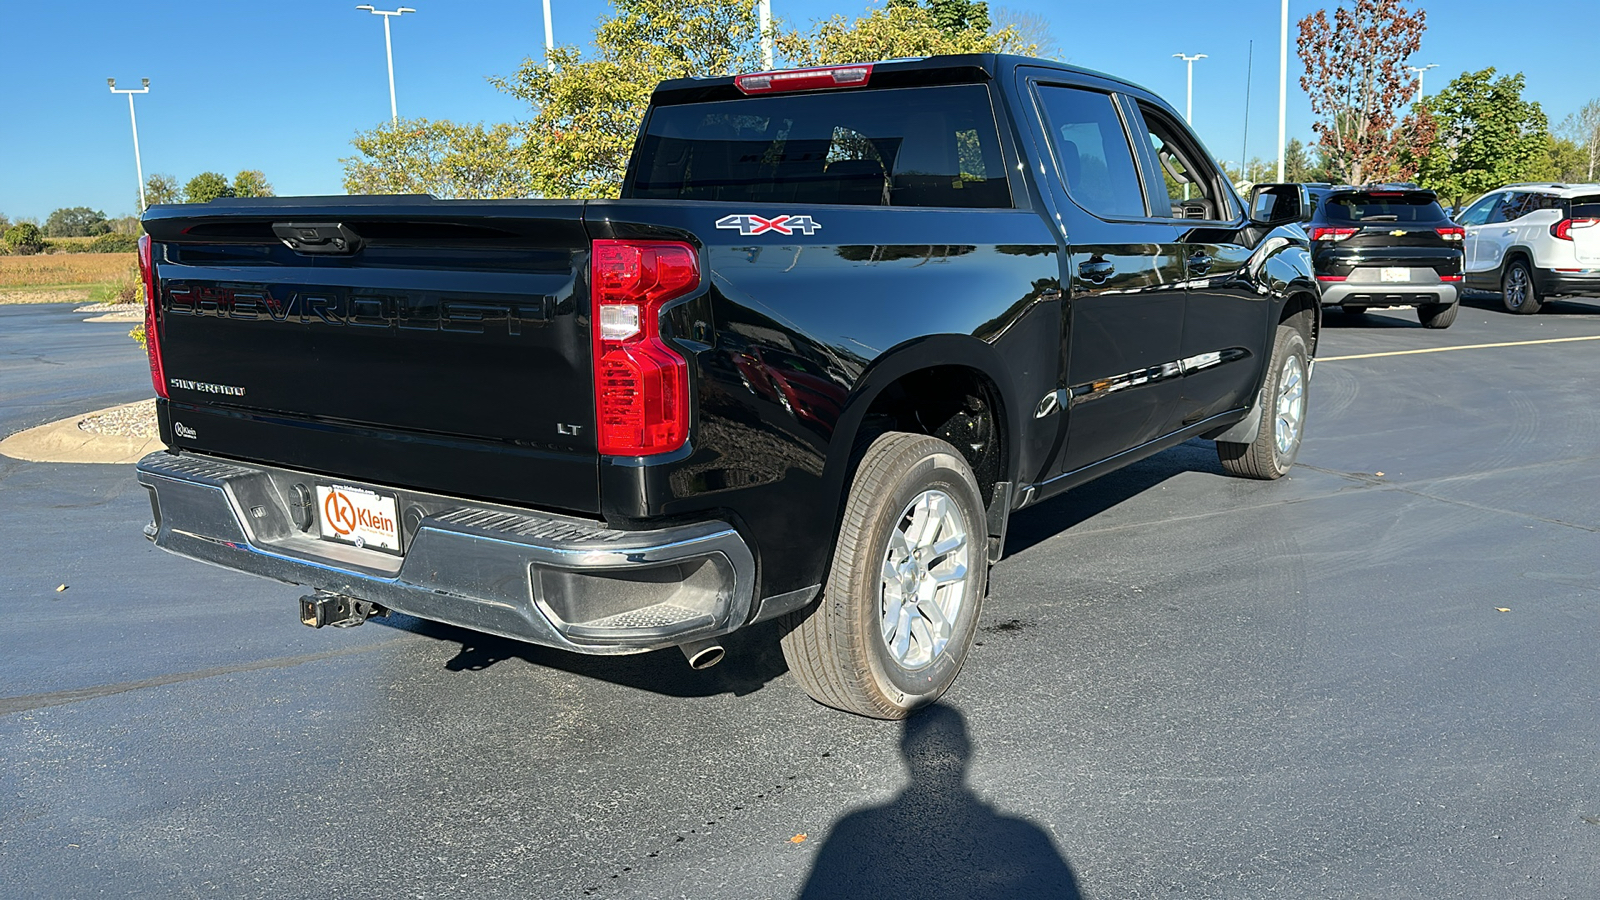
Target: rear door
<point>1497,235</point>
<point>1125,319</point>
<point>1584,229</point>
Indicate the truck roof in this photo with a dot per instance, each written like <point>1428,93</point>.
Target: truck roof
<point>966,68</point>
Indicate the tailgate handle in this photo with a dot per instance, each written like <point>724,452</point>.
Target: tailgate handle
<point>317,237</point>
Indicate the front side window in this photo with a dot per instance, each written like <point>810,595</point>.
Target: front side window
<point>1092,152</point>
<point>1186,176</point>
<point>1478,212</point>
<point>926,147</point>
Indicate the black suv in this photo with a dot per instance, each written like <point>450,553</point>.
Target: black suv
<point>1386,245</point>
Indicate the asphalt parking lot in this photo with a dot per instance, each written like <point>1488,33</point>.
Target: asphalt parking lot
<point>1376,678</point>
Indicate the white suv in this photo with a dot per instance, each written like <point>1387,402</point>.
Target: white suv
<point>1532,243</point>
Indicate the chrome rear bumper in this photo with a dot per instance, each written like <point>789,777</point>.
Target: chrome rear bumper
<point>554,580</point>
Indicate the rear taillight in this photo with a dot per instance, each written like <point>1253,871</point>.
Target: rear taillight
<point>1332,277</point>
<point>1332,234</point>
<point>641,385</point>
<point>152,340</point>
<point>804,79</point>
<point>1563,228</point>
<point>1452,277</point>
<point>1452,234</point>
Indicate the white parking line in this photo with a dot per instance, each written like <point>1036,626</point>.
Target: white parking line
<point>1592,337</point>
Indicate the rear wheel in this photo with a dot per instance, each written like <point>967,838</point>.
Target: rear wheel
<point>909,573</point>
<point>1517,290</point>
<point>1283,415</point>
<point>1438,315</point>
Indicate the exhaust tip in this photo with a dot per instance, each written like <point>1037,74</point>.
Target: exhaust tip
<point>703,654</point>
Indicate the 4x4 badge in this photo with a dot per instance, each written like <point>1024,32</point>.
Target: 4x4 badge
<point>748,224</point>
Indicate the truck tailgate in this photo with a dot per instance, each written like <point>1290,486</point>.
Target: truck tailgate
<point>446,348</point>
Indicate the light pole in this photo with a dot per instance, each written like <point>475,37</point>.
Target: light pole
<point>138,166</point>
<point>1283,82</point>
<point>388,49</point>
<point>1188,108</point>
<point>766,33</point>
<point>549,39</point>
<point>1420,72</point>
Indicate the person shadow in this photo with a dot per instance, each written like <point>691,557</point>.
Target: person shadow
<point>938,839</point>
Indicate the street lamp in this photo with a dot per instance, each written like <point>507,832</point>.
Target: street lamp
<point>138,166</point>
<point>388,49</point>
<point>1283,82</point>
<point>1188,109</point>
<point>549,39</point>
<point>1420,72</point>
<point>766,33</point>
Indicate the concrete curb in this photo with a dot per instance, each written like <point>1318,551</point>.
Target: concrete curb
<point>64,442</point>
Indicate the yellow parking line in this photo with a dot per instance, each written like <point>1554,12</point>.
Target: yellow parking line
<point>1592,337</point>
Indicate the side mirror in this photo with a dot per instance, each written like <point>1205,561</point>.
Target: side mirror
<point>1279,204</point>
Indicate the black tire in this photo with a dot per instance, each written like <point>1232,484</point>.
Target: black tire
<point>1263,457</point>
<point>1517,290</point>
<point>1438,315</point>
<point>837,649</point>
<point>1353,310</point>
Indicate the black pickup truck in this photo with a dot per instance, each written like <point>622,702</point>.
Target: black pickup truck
<point>840,325</point>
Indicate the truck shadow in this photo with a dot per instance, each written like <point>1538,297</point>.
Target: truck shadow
<point>937,839</point>
<point>1051,517</point>
<point>753,659</point>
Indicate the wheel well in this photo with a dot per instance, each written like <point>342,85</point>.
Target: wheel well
<point>1309,307</point>
<point>957,404</point>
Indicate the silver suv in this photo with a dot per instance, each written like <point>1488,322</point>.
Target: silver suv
<point>1533,243</point>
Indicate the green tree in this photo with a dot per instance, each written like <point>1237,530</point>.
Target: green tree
<point>953,17</point>
<point>162,189</point>
<point>252,183</point>
<point>1487,136</point>
<point>1564,161</point>
<point>76,221</point>
<point>206,187</point>
<point>5,223</point>
<point>24,239</point>
<point>1298,166</point>
<point>449,161</point>
<point>1582,128</point>
<point>586,112</point>
<point>900,29</point>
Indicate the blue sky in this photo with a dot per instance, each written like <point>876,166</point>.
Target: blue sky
<point>283,86</point>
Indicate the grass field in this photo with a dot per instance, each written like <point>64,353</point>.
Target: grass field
<point>65,270</point>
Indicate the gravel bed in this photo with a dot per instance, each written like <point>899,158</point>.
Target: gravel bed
<point>107,308</point>
<point>136,420</point>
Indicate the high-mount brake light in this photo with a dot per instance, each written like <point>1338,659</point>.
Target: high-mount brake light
<point>1452,234</point>
<point>1563,228</point>
<point>152,337</point>
<point>1332,234</point>
<point>820,78</point>
<point>641,385</point>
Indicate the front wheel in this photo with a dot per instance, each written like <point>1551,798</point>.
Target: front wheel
<point>1438,315</point>
<point>910,567</point>
<point>1283,415</point>
<point>1517,290</point>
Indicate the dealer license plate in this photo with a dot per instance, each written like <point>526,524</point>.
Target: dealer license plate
<point>1394,273</point>
<point>359,517</point>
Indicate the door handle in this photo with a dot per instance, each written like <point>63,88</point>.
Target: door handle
<point>1510,231</point>
<point>1200,264</point>
<point>1096,271</point>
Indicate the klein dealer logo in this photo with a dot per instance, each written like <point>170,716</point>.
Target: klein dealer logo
<point>748,224</point>
<point>344,517</point>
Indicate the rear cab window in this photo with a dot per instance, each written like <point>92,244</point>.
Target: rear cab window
<point>917,147</point>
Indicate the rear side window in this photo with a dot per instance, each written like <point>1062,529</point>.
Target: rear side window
<point>1092,151</point>
<point>1382,208</point>
<point>933,146</point>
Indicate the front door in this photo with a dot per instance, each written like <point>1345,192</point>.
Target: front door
<point>1124,322</point>
<point>1224,316</point>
